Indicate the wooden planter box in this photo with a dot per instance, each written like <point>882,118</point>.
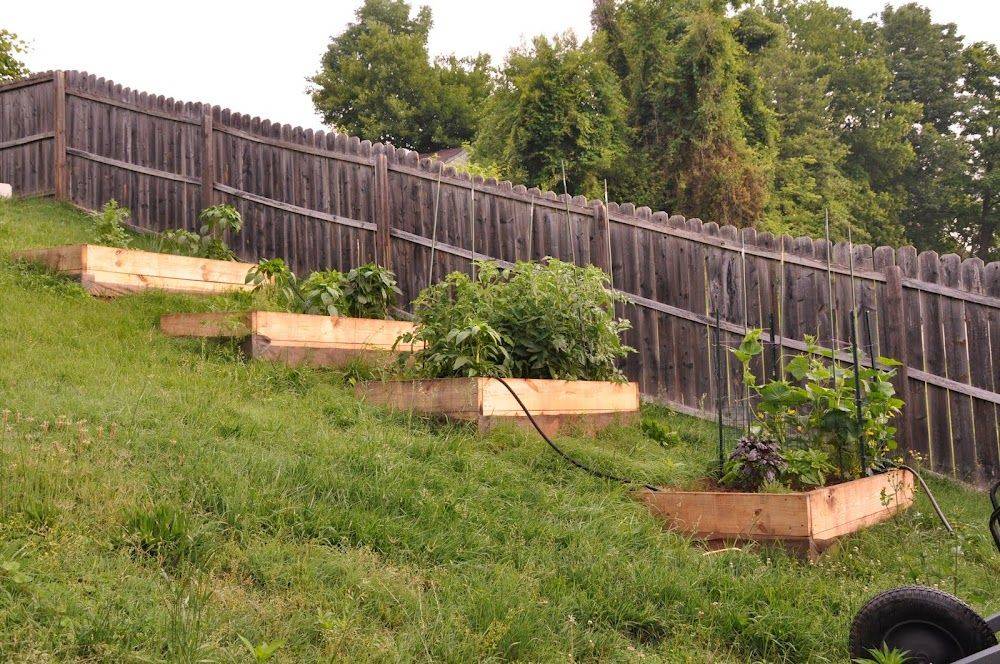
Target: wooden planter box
<point>554,404</point>
<point>809,521</point>
<point>108,271</point>
<point>296,338</point>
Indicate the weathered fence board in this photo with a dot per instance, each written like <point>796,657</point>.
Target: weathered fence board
<point>325,200</point>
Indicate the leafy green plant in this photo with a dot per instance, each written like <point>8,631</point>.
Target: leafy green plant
<point>370,291</point>
<point>210,240</point>
<point>109,225</point>
<point>535,320</point>
<point>215,222</point>
<point>274,274</point>
<point>806,468</point>
<point>365,292</point>
<point>263,651</point>
<point>11,571</point>
<point>813,404</point>
<point>659,433</point>
<point>323,293</point>
<point>753,463</point>
<point>179,241</point>
<point>167,534</point>
<point>884,655</point>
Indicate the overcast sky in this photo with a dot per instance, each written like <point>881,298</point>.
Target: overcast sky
<point>254,57</point>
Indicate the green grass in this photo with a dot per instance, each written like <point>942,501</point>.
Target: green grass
<point>162,500</point>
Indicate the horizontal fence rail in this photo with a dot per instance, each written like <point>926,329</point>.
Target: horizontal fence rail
<point>326,200</point>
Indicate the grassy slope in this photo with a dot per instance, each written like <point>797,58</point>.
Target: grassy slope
<point>289,512</point>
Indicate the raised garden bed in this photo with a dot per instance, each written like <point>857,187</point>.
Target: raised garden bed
<point>296,338</point>
<point>108,271</point>
<point>808,521</point>
<point>555,404</point>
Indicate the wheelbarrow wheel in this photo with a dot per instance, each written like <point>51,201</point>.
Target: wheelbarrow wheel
<point>930,625</point>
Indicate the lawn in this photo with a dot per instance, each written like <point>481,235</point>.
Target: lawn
<point>164,500</point>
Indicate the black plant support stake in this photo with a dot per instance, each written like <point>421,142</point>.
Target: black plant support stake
<point>774,349</point>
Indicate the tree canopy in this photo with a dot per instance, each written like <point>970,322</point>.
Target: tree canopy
<point>771,113</point>
<point>11,50</point>
<point>377,80</point>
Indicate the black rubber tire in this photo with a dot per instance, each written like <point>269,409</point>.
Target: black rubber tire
<point>934,626</point>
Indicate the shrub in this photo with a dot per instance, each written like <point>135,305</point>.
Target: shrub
<point>535,320</point>
<point>753,463</point>
<point>109,225</point>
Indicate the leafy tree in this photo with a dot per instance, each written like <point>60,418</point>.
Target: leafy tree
<point>702,132</point>
<point>925,59</point>
<point>11,48</point>
<point>376,80</point>
<point>981,128</point>
<point>839,64</point>
<point>721,130</point>
<point>557,103</point>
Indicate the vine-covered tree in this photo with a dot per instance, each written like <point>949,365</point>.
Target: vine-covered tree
<point>702,133</point>
<point>557,104</point>
<point>11,49</point>
<point>377,81</point>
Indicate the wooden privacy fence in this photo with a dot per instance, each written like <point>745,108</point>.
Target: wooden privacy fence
<point>326,200</point>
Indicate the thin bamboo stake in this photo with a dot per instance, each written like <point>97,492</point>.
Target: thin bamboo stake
<point>434,225</point>
<point>569,223</point>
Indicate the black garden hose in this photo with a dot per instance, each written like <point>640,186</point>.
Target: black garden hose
<point>927,490</point>
<point>578,464</point>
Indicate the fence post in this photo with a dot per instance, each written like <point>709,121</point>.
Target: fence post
<point>383,240</point>
<point>60,178</point>
<point>895,347</point>
<point>601,251</point>
<point>207,160</point>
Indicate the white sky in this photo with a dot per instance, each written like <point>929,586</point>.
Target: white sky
<point>254,57</point>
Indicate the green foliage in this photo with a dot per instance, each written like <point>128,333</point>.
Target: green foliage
<point>216,221</point>
<point>263,651</point>
<point>813,404</point>
<point>806,468</point>
<point>323,293</point>
<point>884,655</point>
<point>179,242</point>
<point>210,241</point>
<point>167,534</point>
<point>109,225</point>
<point>660,434</point>
<point>12,48</point>
<point>535,320</point>
<point>753,463</point>
<point>557,104</point>
<point>370,291</point>
<point>274,275</point>
<point>376,80</point>
<point>981,129</point>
